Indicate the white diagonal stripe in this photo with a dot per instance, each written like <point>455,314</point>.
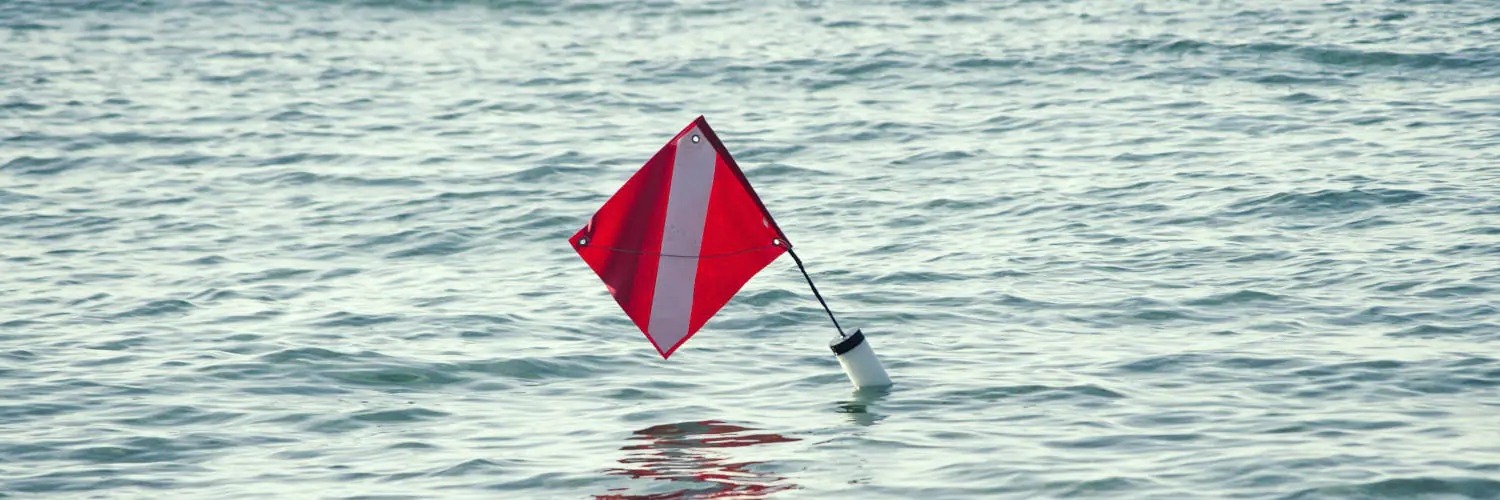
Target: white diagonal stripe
<point>682,234</point>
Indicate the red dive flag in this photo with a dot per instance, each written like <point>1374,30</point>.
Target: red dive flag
<point>680,238</point>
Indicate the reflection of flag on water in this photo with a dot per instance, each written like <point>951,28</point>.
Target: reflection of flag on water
<point>680,238</point>
<point>685,453</point>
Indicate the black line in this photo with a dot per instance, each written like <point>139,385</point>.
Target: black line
<point>656,254</point>
<point>815,291</point>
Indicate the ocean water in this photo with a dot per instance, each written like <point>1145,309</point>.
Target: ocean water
<point>1106,248</point>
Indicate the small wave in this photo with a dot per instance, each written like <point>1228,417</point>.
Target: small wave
<point>299,178</point>
<point>406,415</point>
<point>335,74</point>
<point>302,354</point>
<point>1371,222</point>
<point>1163,364</point>
<point>388,239</point>
<point>216,295</point>
<point>1141,310</point>
<point>241,54</point>
<point>1035,392</point>
<point>1455,291</point>
<point>28,26</point>
<point>1482,230</point>
<point>534,368</point>
<point>1282,79</point>
<point>154,202</point>
<point>294,116</point>
<point>1380,369</point>
<point>22,106</point>
<point>537,220</point>
<point>1406,488</point>
<point>437,249</point>
<point>1276,255</point>
<point>1378,315</point>
<point>158,308</point>
<point>917,277</point>
<point>1239,297</point>
<point>124,138</point>
<point>1302,98</point>
<point>1252,363</point>
<point>181,160</point>
<point>989,63</point>
<point>1010,300</point>
<point>298,158</point>
<point>179,416</point>
<point>547,81</point>
<point>1439,331</point>
<point>867,68</point>
<point>348,319</point>
<point>243,77</point>
<point>934,158</point>
<point>339,273</point>
<point>1147,157</point>
<point>7,197</point>
<point>396,376</point>
<point>474,195</point>
<point>1135,442</point>
<point>477,466</point>
<point>29,165</point>
<point>92,298</point>
<point>548,173</point>
<point>767,296</point>
<point>775,171</point>
<point>1128,190</point>
<point>277,274</point>
<point>13,413</point>
<point>952,205</point>
<point>861,131</point>
<point>1343,56</point>
<point>1005,123</point>
<point>1325,201</point>
<point>1329,55</point>
<point>768,152</point>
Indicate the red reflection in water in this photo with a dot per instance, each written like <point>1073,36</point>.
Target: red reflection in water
<point>684,452</point>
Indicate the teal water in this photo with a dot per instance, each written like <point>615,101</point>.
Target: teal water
<point>1108,249</point>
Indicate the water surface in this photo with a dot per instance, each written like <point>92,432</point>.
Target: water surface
<point>1107,249</point>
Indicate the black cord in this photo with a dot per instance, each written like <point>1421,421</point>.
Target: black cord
<point>656,254</point>
<point>815,291</point>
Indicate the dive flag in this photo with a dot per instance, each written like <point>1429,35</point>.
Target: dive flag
<point>680,238</point>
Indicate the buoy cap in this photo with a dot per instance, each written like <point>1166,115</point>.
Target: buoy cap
<point>845,344</point>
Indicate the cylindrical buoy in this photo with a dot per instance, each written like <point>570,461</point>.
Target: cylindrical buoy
<point>859,361</point>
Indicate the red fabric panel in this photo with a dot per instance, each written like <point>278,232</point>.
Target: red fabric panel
<point>734,224</point>
<point>631,220</point>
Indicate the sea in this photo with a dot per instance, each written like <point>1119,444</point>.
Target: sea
<point>1106,249</point>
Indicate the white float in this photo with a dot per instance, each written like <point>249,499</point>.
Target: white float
<point>859,361</point>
